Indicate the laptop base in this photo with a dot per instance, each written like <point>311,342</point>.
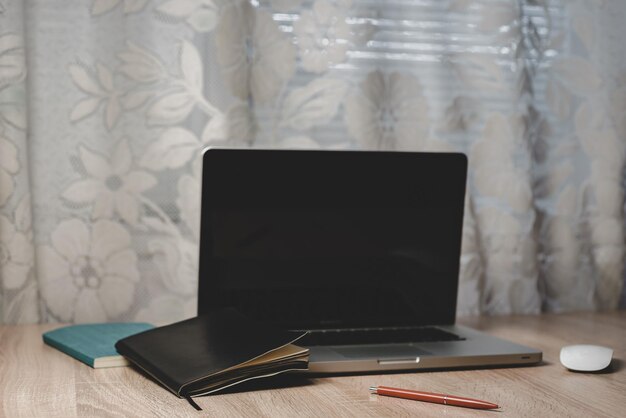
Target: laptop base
<point>476,350</point>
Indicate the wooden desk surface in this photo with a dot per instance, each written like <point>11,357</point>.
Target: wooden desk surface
<point>37,380</point>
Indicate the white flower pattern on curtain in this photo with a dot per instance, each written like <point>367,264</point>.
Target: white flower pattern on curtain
<point>100,137</point>
<point>390,112</point>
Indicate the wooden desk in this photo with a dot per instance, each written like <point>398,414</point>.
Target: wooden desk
<point>37,380</point>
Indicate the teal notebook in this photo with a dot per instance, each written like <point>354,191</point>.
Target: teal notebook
<point>94,344</point>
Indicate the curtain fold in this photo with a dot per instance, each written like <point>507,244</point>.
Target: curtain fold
<point>106,105</point>
<point>19,291</point>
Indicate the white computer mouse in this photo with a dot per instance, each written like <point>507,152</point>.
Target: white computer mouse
<point>586,358</point>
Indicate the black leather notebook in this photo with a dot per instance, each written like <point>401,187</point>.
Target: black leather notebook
<point>213,351</point>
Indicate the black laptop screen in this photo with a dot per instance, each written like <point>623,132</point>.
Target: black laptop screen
<point>332,239</point>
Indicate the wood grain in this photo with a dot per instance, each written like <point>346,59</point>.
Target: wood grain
<point>37,380</point>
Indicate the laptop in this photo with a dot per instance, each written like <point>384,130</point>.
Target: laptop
<point>360,248</point>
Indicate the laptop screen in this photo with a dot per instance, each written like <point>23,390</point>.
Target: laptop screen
<point>332,239</point>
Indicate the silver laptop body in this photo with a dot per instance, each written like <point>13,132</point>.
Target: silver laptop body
<point>360,248</point>
<point>476,349</point>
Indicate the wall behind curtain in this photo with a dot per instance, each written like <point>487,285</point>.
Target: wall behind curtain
<point>105,106</point>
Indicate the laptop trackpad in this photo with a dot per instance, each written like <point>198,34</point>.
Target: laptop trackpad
<point>390,352</point>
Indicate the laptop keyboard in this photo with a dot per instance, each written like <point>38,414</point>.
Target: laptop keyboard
<point>376,336</point>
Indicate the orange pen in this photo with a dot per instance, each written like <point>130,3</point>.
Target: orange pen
<point>432,397</point>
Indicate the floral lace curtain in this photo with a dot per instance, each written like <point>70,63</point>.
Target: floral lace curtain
<point>105,106</point>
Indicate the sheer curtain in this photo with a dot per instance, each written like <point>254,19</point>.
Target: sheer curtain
<point>105,106</point>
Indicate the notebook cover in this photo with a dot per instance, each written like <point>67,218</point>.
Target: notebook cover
<point>190,350</point>
<point>91,342</point>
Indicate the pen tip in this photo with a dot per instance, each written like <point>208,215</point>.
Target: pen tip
<point>373,389</point>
